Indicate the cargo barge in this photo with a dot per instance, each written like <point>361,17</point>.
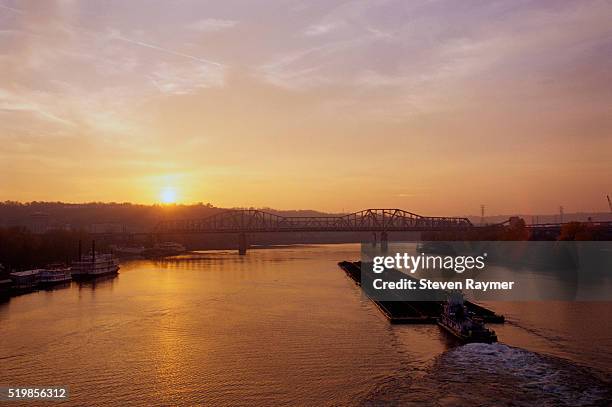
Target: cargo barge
<point>416,312</point>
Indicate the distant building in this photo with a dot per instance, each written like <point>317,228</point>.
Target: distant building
<point>106,228</point>
<point>38,222</point>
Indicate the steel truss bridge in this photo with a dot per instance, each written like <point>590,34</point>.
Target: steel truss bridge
<point>245,221</point>
<point>370,220</point>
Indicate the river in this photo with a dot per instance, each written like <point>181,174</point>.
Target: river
<point>285,326</point>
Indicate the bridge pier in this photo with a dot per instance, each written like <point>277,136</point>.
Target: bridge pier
<point>384,241</point>
<point>243,244</point>
<point>373,239</point>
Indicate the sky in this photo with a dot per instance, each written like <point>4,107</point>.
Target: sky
<point>435,107</point>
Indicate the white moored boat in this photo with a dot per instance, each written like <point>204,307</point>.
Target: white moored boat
<point>165,249</point>
<point>54,274</point>
<point>95,265</point>
<point>23,280</point>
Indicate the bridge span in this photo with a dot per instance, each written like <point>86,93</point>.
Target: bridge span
<point>373,220</point>
<point>378,221</point>
<point>256,221</point>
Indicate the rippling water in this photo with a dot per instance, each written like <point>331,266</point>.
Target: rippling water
<point>285,326</point>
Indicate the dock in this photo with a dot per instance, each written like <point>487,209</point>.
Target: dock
<point>415,312</point>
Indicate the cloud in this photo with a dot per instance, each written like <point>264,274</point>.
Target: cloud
<point>11,9</point>
<point>399,59</point>
<point>116,35</point>
<point>443,80</point>
<point>34,104</point>
<point>212,25</point>
<point>180,80</point>
<point>320,29</point>
<point>305,68</point>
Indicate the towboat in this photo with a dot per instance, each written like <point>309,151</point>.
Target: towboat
<point>462,324</point>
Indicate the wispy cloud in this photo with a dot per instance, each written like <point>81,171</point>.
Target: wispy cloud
<point>15,10</point>
<point>13,103</point>
<point>186,79</point>
<point>441,79</point>
<point>320,29</point>
<point>212,25</point>
<point>116,35</point>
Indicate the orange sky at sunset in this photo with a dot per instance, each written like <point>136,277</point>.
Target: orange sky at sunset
<point>320,105</point>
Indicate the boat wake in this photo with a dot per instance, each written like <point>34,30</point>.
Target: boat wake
<point>497,374</point>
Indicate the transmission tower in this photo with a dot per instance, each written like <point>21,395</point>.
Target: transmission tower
<point>482,212</point>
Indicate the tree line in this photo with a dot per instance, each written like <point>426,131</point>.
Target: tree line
<point>20,249</point>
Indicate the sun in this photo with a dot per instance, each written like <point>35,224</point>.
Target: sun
<point>168,195</point>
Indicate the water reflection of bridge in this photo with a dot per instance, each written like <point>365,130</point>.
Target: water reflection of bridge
<point>247,221</point>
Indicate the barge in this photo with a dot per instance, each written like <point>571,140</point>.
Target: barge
<point>416,312</point>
